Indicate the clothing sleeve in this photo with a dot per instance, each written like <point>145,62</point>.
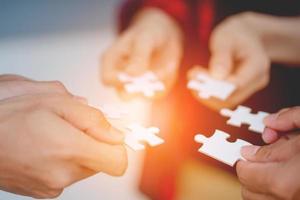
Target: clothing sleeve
<point>178,9</point>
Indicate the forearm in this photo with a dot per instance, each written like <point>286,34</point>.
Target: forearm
<point>281,37</point>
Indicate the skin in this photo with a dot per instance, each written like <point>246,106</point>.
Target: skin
<point>280,123</point>
<point>50,139</point>
<point>145,46</point>
<point>242,48</point>
<point>271,171</point>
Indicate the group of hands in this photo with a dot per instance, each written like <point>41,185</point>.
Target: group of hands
<point>50,138</point>
<point>242,48</point>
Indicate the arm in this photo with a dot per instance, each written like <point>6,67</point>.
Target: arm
<point>280,36</point>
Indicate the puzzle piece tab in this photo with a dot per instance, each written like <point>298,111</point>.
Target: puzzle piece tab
<point>139,135</point>
<point>220,149</point>
<point>243,115</point>
<point>147,84</point>
<point>208,87</point>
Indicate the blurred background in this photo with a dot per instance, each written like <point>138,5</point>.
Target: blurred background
<point>68,38</point>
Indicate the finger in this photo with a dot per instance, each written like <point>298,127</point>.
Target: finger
<point>168,61</point>
<point>256,176</point>
<point>13,77</point>
<point>221,62</point>
<point>249,195</point>
<point>275,152</point>
<point>10,89</point>
<point>115,59</point>
<point>269,136</point>
<point>139,61</point>
<point>101,157</point>
<point>252,70</point>
<point>92,154</point>
<point>87,119</point>
<point>286,120</point>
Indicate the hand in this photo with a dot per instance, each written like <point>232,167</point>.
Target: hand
<point>152,42</point>
<point>238,56</point>
<point>283,122</point>
<point>49,141</point>
<point>272,171</point>
<point>14,85</point>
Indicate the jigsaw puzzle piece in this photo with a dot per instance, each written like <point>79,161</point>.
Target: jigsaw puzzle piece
<point>139,135</point>
<point>243,115</point>
<point>219,148</point>
<point>208,87</point>
<point>147,84</point>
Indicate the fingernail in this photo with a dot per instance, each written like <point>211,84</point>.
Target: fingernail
<point>269,136</point>
<point>270,119</point>
<point>249,151</point>
<point>81,99</point>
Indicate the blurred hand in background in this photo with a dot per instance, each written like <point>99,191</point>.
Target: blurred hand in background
<point>242,49</point>
<point>152,42</point>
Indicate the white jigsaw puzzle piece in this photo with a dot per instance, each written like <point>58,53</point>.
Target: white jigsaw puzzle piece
<point>243,115</point>
<point>139,135</point>
<point>220,149</point>
<point>147,84</point>
<point>208,87</point>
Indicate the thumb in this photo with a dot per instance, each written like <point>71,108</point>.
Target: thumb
<point>275,152</point>
<point>87,119</point>
<point>140,56</point>
<point>221,61</point>
<point>285,120</point>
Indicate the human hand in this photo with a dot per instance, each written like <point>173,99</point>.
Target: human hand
<point>152,42</point>
<point>15,85</point>
<point>282,122</point>
<point>271,172</point>
<point>49,141</point>
<point>238,56</point>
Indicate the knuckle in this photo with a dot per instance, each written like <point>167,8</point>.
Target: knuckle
<point>57,84</point>
<point>96,118</point>
<point>59,180</point>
